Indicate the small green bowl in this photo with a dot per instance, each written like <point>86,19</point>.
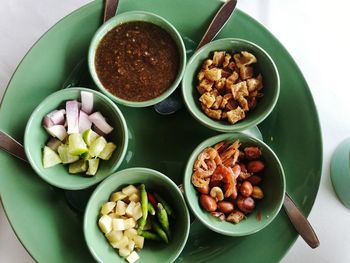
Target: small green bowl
<point>273,186</point>
<point>152,251</point>
<point>35,137</point>
<point>264,65</point>
<point>129,17</point>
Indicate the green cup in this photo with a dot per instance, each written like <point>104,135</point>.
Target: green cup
<point>264,65</point>
<point>152,251</point>
<point>130,17</point>
<point>35,138</point>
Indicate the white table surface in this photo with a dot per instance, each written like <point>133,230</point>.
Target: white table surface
<point>316,34</point>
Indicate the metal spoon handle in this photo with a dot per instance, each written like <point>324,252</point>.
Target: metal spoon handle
<point>13,147</point>
<point>110,9</point>
<point>300,223</point>
<point>218,22</point>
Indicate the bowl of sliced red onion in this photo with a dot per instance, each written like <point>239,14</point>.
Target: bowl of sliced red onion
<point>75,138</point>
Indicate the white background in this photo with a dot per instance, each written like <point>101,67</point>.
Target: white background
<point>316,33</point>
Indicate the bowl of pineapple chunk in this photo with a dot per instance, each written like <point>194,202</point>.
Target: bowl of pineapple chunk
<point>137,214</point>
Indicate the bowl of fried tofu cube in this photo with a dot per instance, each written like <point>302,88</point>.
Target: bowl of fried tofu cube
<point>230,85</point>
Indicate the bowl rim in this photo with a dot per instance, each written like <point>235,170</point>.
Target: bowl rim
<point>242,125</point>
<point>187,181</point>
<point>137,16</point>
<point>153,172</point>
<point>57,183</point>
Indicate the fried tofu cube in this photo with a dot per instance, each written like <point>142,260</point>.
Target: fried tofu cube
<point>207,63</point>
<point>217,103</point>
<point>246,72</point>
<point>204,86</point>
<point>213,74</point>
<point>254,83</point>
<point>235,115</point>
<point>214,114</point>
<point>218,58</point>
<point>232,79</point>
<point>239,90</point>
<point>226,61</point>
<point>225,99</point>
<point>207,99</point>
<point>244,59</point>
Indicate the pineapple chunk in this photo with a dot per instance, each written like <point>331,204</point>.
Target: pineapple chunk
<point>137,211</point>
<point>139,240</point>
<point>114,236</point>
<point>129,223</point>
<point>117,196</point>
<point>131,245</point>
<point>120,208</point>
<point>121,243</point>
<point>134,197</point>
<point>129,190</point>
<point>124,252</point>
<point>107,208</point>
<point>118,224</point>
<point>132,257</point>
<point>105,224</point>
<point>130,233</point>
<point>129,210</point>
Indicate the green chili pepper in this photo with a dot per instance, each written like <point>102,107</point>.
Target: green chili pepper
<point>151,209</point>
<point>150,235</point>
<point>164,203</point>
<point>144,207</point>
<point>163,218</point>
<point>160,232</point>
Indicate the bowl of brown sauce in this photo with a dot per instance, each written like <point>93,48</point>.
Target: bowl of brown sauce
<point>137,58</point>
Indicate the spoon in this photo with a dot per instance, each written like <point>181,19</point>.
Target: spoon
<point>174,102</point>
<point>78,199</point>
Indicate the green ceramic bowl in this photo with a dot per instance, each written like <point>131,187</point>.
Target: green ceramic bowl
<point>265,66</point>
<point>152,251</point>
<point>137,16</point>
<point>273,186</point>
<point>35,138</point>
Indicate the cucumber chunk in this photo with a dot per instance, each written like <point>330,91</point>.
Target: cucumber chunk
<point>78,167</point>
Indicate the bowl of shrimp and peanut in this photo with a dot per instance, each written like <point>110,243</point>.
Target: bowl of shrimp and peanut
<point>234,184</point>
<point>230,85</point>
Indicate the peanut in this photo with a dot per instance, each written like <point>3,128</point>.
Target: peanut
<point>245,204</point>
<point>203,189</point>
<point>208,203</point>
<point>246,189</point>
<point>225,206</point>
<point>255,166</point>
<point>257,193</point>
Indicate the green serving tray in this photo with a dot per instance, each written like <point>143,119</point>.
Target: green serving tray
<point>51,230</point>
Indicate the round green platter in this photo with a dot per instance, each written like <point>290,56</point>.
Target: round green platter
<point>51,230</point>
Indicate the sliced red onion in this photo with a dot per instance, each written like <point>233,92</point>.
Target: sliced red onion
<point>84,122</point>
<point>53,143</point>
<point>72,115</point>
<point>47,122</point>
<point>57,131</point>
<point>100,122</point>
<point>57,116</point>
<point>87,101</point>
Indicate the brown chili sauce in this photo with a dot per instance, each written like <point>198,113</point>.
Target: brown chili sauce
<point>137,61</point>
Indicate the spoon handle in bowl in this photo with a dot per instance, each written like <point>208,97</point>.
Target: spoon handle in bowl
<point>300,223</point>
<point>110,9</point>
<point>13,147</point>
